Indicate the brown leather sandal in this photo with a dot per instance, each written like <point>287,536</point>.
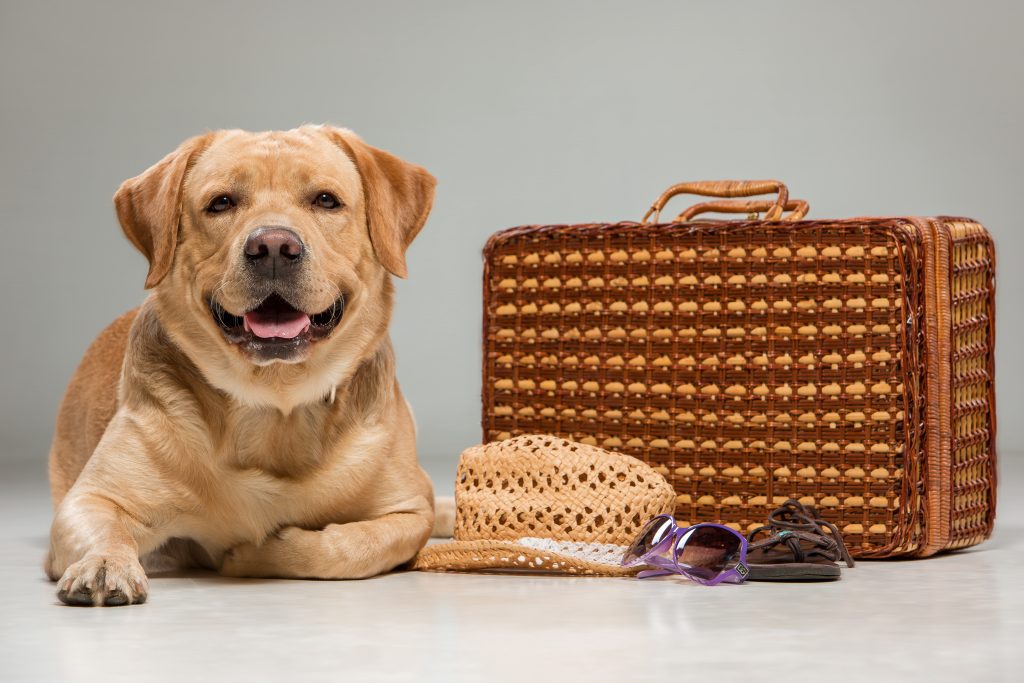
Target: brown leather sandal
<point>797,547</point>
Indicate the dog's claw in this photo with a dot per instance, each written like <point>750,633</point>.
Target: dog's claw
<point>115,598</point>
<point>80,596</point>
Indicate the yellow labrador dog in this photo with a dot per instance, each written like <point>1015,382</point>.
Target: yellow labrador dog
<point>246,417</point>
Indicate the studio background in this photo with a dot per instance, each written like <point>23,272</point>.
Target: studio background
<point>527,112</point>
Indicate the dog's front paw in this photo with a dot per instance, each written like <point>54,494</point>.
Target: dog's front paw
<point>240,560</point>
<point>285,554</point>
<point>103,582</point>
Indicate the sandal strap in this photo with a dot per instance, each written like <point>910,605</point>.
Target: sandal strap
<point>793,522</point>
<point>801,544</point>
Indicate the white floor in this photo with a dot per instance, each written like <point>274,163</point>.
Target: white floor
<point>958,617</point>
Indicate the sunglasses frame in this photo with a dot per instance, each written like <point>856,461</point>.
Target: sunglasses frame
<point>653,557</point>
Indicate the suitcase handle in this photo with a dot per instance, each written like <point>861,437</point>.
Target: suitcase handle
<point>797,209</point>
<point>724,188</point>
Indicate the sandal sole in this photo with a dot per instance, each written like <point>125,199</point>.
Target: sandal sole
<point>793,572</point>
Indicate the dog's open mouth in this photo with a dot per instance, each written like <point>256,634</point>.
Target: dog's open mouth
<point>275,329</point>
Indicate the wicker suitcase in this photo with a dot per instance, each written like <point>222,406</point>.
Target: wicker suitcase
<point>845,363</point>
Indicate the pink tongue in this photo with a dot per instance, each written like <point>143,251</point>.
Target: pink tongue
<point>283,325</point>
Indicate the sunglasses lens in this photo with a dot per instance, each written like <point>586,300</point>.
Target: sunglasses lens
<point>707,551</point>
<point>652,534</point>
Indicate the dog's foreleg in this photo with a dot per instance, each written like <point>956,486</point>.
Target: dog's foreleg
<point>354,550</point>
<point>94,552</point>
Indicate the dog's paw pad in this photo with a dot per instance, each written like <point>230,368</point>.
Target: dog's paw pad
<point>96,581</point>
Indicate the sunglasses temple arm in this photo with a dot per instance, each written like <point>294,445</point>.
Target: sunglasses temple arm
<point>660,562</point>
<point>728,576</point>
<point>663,565</point>
<point>648,573</point>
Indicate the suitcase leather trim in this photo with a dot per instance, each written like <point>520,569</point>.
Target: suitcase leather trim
<point>937,355</point>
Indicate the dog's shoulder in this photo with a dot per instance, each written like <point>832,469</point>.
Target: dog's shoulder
<point>156,370</point>
<point>89,404</point>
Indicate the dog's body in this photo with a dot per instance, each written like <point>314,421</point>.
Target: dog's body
<point>226,423</point>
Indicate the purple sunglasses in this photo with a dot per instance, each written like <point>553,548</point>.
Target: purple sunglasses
<point>706,553</point>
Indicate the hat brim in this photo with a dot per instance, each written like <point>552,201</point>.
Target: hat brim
<point>509,556</point>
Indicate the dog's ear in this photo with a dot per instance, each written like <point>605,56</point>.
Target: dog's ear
<point>149,207</point>
<point>398,197</point>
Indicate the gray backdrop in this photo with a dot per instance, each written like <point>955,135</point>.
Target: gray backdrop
<point>525,111</point>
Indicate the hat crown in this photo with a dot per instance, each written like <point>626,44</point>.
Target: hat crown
<point>547,487</point>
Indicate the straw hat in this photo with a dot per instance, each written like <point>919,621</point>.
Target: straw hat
<point>544,504</point>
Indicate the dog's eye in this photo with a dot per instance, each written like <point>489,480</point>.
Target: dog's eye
<point>221,204</point>
<point>326,200</point>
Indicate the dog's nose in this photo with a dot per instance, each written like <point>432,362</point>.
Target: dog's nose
<point>271,251</point>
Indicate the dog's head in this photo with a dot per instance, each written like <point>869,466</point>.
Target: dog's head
<point>270,253</point>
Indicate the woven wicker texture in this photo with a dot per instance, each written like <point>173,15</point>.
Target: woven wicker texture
<point>542,503</point>
<point>749,362</point>
<point>973,323</point>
